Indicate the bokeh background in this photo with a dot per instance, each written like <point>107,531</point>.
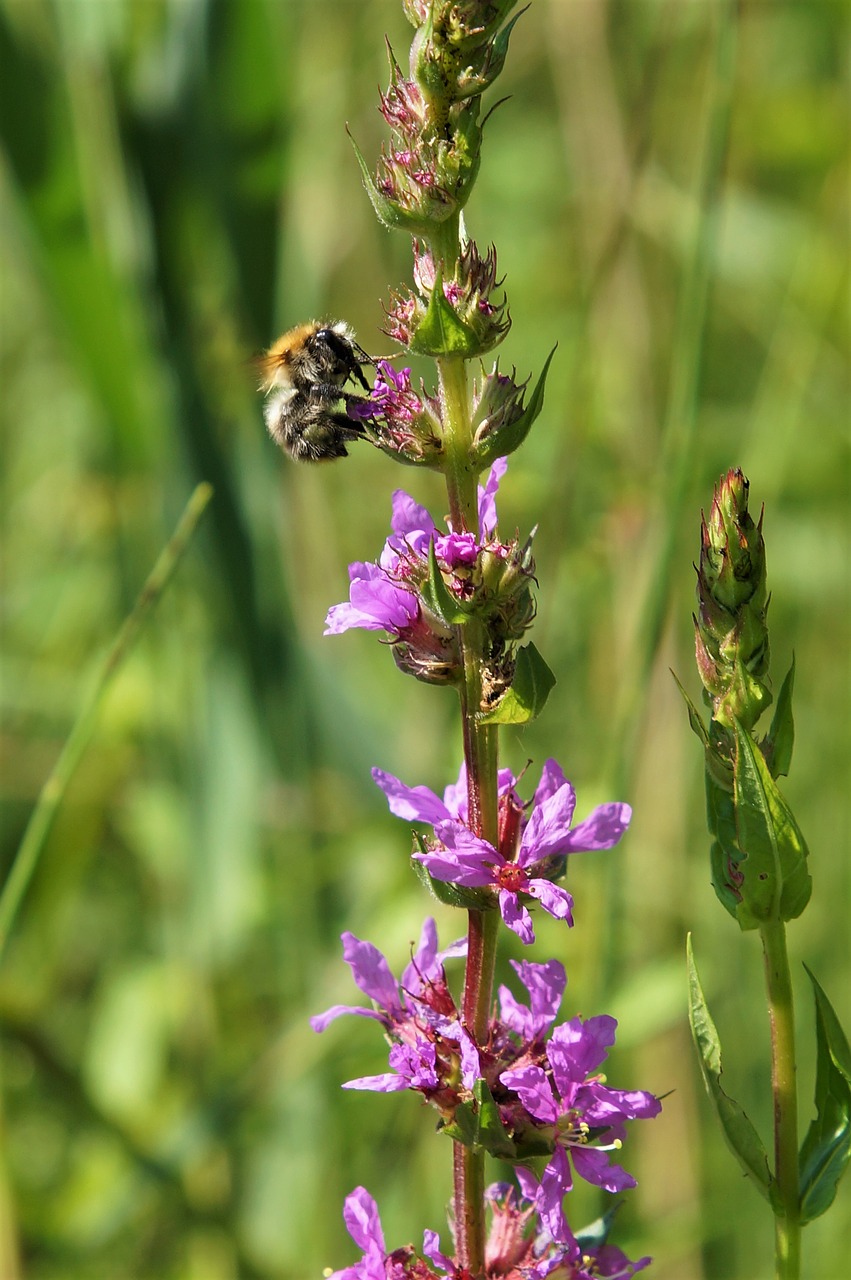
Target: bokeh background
<point>176,188</point>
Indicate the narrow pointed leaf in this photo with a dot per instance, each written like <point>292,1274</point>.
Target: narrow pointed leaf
<point>389,212</point>
<point>776,883</point>
<point>826,1149</point>
<point>742,1137</point>
<point>437,597</point>
<point>694,717</point>
<point>781,737</point>
<point>477,1125</point>
<point>505,439</point>
<point>527,696</point>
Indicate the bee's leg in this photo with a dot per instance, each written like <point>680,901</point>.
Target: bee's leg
<point>349,427</point>
<point>358,372</point>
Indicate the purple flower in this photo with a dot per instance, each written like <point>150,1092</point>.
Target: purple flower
<point>580,1109</point>
<point>376,603</point>
<point>363,1224</point>
<point>386,596</point>
<point>430,1048</point>
<point>423,982</point>
<point>545,984</point>
<point>529,847</point>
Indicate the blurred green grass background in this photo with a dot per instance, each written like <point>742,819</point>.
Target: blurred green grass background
<point>176,187</point>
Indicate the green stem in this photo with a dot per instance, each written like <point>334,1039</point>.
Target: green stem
<point>787,1229</point>
<point>56,785</point>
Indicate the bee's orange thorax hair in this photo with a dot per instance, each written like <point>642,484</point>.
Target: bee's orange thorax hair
<point>274,364</point>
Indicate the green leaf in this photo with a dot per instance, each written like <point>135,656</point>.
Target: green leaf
<point>742,1137</point>
<point>503,440</point>
<point>529,690</point>
<point>436,595</point>
<point>492,1135</point>
<point>725,856</point>
<point>442,332</point>
<point>826,1150</point>
<point>477,1124</point>
<point>781,736</point>
<point>776,883</point>
<point>389,212</point>
<point>452,895</point>
<point>694,717</point>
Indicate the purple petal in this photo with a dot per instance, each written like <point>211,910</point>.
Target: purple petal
<point>455,796</point>
<point>577,1048</point>
<point>454,549</point>
<point>413,804</point>
<point>387,1083</point>
<point>534,1091</point>
<point>515,916</point>
<point>360,1214</point>
<point>445,865</point>
<point>487,497</point>
<point>601,829</point>
<point>409,518</point>
<point>376,603</point>
<point>320,1021</point>
<point>604,1106</point>
<point>431,1249</point>
<point>371,972</point>
<point>471,1069</point>
<point>424,966</point>
<point>556,1181</point>
<point>553,898</point>
<point>593,1166</point>
<point>548,829</point>
<point>545,984</point>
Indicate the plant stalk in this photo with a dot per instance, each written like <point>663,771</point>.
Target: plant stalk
<point>787,1222</point>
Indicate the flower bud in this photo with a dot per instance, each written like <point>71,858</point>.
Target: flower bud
<point>731,637</point>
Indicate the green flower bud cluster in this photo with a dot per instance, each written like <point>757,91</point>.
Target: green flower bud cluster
<point>731,636</point>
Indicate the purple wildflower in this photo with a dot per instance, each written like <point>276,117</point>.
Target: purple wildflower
<point>581,1109</point>
<point>529,848</point>
<point>385,596</point>
<point>431,1052</point>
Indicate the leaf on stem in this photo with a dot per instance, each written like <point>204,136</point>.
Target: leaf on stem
<point>528,693</point>
<point>442,332</point>
<point>437,597</point>
<point>826,1150</point>
<point>781,736</point>
<point>477,1124</point>
<point>776,883</point>
<point>508,437</point>
<point>742,1137</point>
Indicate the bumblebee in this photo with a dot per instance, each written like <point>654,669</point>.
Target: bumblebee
<point>303,374</point>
